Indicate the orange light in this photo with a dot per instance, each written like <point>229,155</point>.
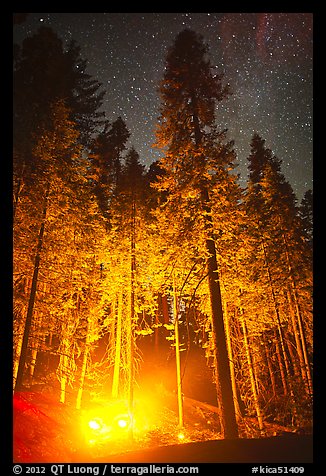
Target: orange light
<point>112,420</point>
<point>181,435</point>
<point>94,425</point>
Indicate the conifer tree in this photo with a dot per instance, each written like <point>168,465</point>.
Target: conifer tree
<point>125,274</point>
<point>57,149</point>
<point>55,115</point>
<point>106,158</point>
<point>305,213</point>
<point>194,152</point>
<point>277,262</point>
<point>44,73</point>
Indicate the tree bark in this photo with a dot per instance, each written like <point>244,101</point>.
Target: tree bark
<point>32,297</point>
<point>278,323</point>
<point>177,355</point>
<point>229,427</point>
<point>117,354</point>
<point>251,371</point>
<point>269,365</point>
<point>63,382</point>
<point>299,324</point>
<point>298,347</point>
<point>280,364</point>
<point>131,334</point>
<point>231,360</point>
<point>83,369</point>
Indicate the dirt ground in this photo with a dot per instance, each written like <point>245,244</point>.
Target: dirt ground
<point>47,431</point>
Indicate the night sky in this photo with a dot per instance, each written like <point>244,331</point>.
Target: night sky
<point>265,57</point>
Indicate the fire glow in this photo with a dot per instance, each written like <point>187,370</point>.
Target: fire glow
<point>112,421</point>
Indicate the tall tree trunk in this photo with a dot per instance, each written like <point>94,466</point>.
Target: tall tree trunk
<point>83,369</point>
<point>229,427</point>
<point>230,352</point>
<point>280,364</point>
<point>251,371</point>
<point>177,354</point>
<point>36,341</point>
<point>32,365</point>
<point>131,333</point>
<point>293,356</point>
<point>17,353</point>
<point>63,379</point>
<point>298,346</point>
<point>278,321</point>
<point>117,353</point>
<point>19,188</point>
<point>269,365</point>
<point>156,331</point>
<point>32,296</point>
<point>303,344</point>
<point>308,378</point>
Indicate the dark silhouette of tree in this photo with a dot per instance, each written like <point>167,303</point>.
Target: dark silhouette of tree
<point>305,213</point>
<point>43,74</point>
<point>106,158</point>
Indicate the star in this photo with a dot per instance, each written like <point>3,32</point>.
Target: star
<point>265,57</point>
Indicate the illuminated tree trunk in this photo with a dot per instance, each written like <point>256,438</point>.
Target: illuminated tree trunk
<point>308,378</point>
<point>298,347</point>
<point>17,353</point>
<point>269,366</point>
<point>50,345</point>
<point>232,370</point>
<point>278,324</point>
<point>156,331</point>
<point>33,361</point>
<point>229,427</point>
<point>230,352</point>
<point>293,356</point>
<point>83,369</point>
<point>117,354</point>
<point>131,334</point>
<point>298,325</point>
<point>177,355</point>
<point>251,371</point>
<point>32,297</point>
<point>63,379</point>
<point>189,93</point>
<point>280,364</point>
<point>66,367</point>
<point>36,341</point>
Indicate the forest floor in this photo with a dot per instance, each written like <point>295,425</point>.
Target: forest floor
<point>47,431</point>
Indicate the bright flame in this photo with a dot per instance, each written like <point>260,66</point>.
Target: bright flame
<point>122,423</point>
<point>94,425</point>
<point>181,436</point>
<point>112,420</point>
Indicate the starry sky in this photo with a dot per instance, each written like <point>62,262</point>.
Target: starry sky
<point>267,58</point>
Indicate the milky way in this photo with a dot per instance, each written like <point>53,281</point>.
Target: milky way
<point>265,57</point>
